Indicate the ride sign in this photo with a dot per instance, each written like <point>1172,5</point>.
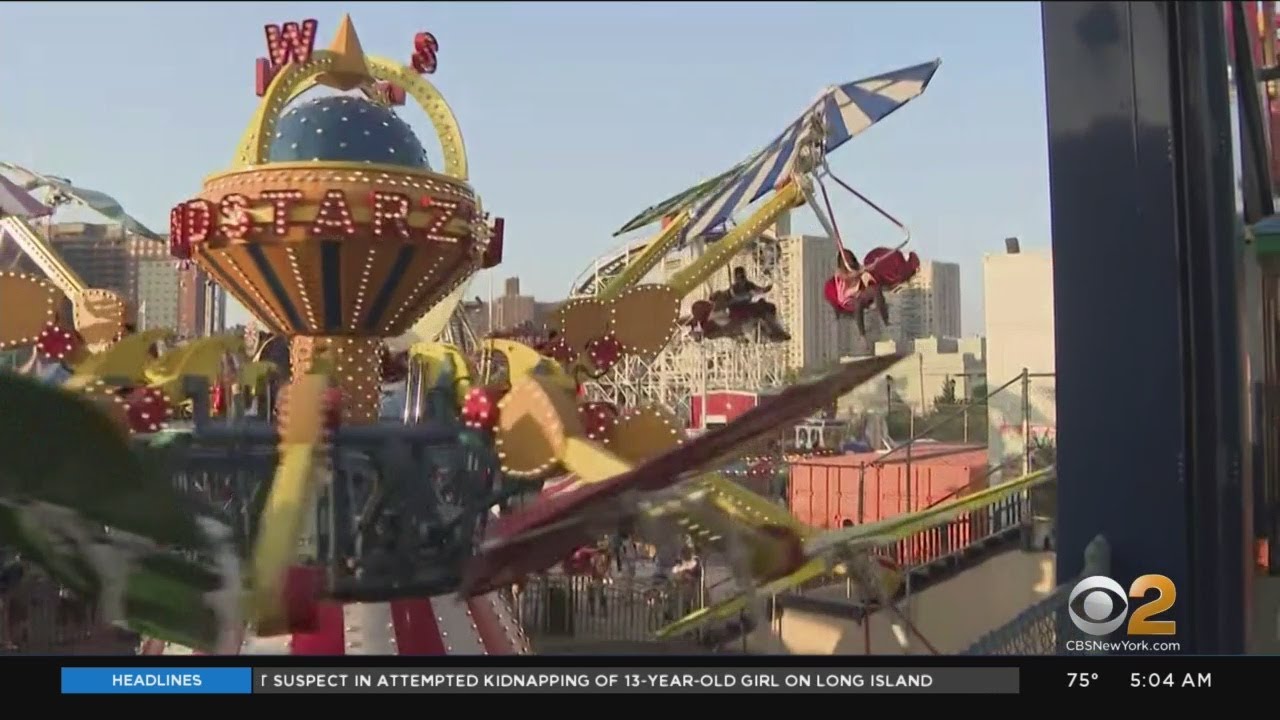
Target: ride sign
<point>386,214</point>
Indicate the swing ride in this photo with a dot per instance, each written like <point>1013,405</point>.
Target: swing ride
<point>727,345</point>
<point>316,525</point>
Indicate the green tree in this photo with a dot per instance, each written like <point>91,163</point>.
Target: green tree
<point>948,396</point>
<point>957,419</point>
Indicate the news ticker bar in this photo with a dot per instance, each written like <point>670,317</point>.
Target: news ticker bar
<point>338,680</point>
<point>827,675</point>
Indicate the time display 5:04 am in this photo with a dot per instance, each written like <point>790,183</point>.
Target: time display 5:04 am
<point>1171,680</point>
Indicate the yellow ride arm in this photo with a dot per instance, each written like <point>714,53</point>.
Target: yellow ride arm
<point>590,461</point>
<point>722,252</point>
<point>739,502</point>
<point>435,358</point>
<point>291,498</point>
<point>126,359</point>
<point>821,547</point>
<point>635,271</point>
<point>254,375</point>
<point>198,358</point>
<point>523,362</point>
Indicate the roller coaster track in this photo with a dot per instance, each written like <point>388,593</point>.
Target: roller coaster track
<point>631,260</point>
<point>43,255</point>
<point>606,267</point>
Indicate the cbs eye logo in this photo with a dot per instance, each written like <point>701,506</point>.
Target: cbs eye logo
<point>1098,605</point>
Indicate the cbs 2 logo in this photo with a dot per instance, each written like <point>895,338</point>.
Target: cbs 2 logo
<point>1103,605</point>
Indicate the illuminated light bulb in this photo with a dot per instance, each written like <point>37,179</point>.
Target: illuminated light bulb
<point>281,201</point>
<point>234,210</point>
<point>334,215</point>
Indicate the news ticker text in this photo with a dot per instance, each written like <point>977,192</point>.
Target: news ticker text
<point>604,680</point>
<point>355,680</point>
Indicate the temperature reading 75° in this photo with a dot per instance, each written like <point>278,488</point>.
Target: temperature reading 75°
<point>1081,679</point>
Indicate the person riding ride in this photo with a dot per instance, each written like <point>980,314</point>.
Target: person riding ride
<point>857,289</point>
<point>743,302</point>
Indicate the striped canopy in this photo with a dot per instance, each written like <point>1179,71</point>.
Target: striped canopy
<point>846,110</point>
<point>60,190</point>
<point>680,201</point>
<point>16,202</point>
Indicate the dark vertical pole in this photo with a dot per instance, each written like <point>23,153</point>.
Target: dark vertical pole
<point>1216,387</point>
<point>1121,445</point>
<point>1148,399</point>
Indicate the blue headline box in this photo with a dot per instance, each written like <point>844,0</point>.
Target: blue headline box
<point>152,681</point>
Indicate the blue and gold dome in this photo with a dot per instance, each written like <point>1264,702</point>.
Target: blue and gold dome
<point>345,129</point>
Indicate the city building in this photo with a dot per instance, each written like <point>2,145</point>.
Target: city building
<point>928,305</point>
<point>98,254</point>
<point>156,284</point>
<point>818,338</point>
<point>201,304</point>
<point>507,311</point>
<point>917,381</point>
<point>1018,289</point>
<point>511,308</point>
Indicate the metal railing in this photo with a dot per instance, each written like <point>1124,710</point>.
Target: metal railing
<point>1042,628</point>
<point>586,608</point>
<point>947,542</point>
<point>556,607</point>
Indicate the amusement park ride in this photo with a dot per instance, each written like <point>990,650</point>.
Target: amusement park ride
<point>728,345</point>
<point>317,524</point>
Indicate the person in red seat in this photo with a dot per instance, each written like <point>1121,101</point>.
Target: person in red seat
<point>856,289</point>
<point>581,561</point>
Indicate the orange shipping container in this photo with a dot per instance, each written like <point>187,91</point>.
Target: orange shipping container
<point>844,490</point>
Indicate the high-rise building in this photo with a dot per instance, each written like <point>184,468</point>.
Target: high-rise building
<point>201,303</point>
<point>1018,294</point>
<point>98,254</point>
<point>512,309</point>
<point>156,284</point>
<point>818,337</point>
<point>508,311</point>
<point>928,305</point>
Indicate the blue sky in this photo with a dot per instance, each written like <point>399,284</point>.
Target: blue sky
<point>576,115</point>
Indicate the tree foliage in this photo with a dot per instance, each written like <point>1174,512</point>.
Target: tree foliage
<point>954,418</point>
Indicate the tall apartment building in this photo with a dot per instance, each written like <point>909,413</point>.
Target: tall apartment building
<point>511,308</point>
<point>818,338</point>
<point>507,310</point>
<point>98,254</point>
<point>1018,294</point>
<point>141,271</point>
<point>156,284</point>
<point>928,305</point>
<point>201,304</point>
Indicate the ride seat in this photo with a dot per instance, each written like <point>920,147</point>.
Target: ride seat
<point>889,268</point>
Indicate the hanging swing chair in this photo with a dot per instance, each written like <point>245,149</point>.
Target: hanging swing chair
<point>855,286</point>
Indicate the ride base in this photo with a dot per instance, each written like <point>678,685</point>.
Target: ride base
<point>356,363</point>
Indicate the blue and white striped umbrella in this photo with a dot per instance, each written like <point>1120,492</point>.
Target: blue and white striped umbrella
<point>845,110</point>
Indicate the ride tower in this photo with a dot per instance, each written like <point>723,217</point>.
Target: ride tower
<point>331,226</point>
<point>334,229</point>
